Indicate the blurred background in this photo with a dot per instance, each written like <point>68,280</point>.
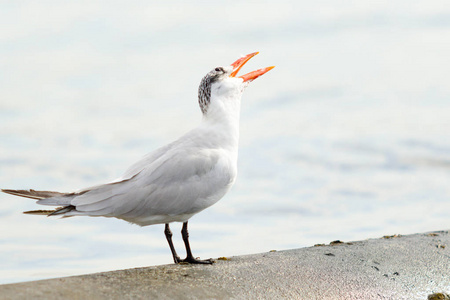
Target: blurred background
<point>347,138</point>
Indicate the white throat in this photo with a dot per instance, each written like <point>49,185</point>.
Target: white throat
<point>222,118</point>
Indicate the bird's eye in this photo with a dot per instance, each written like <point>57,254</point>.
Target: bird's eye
<point>218,69</point>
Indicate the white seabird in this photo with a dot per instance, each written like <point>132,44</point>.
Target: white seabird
<point>176,181</point>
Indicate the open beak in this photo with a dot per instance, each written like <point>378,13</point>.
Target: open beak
<point>237,65</point>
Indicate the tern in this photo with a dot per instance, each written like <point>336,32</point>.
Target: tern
<point>178,180</point>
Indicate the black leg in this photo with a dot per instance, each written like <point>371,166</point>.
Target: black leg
<point>189,257</point>
<point>168,234</point>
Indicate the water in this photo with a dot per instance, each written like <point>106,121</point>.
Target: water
<point>348,138</point>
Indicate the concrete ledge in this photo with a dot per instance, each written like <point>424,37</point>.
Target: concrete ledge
<point>395,267</point>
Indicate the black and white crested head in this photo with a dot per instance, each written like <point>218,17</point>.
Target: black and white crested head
<point>221,85</point>
<point>204,90</point>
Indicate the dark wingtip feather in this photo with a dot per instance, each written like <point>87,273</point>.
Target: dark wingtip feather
<point>38,212</point>
<point>57,211</point>
<point>32,193</point>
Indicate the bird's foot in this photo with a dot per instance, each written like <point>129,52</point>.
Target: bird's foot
<point>193,260</point>
<point>176,259</point>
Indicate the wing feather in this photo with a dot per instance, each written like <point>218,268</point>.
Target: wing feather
<point>181,178</point>
<point>176,183</point>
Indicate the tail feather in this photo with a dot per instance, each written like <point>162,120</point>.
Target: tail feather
<point>39,212</point>
<point>48,198</point>
<point>32,193</point>
<point>57,211</point>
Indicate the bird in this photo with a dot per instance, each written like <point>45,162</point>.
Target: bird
<point>175,181</point>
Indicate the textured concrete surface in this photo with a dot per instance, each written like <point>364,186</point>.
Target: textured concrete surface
<point>394,267</point>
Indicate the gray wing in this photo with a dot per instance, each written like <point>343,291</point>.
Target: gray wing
<point>173,180</point>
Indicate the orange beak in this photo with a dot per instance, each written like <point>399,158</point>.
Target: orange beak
<point>237,65</point>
